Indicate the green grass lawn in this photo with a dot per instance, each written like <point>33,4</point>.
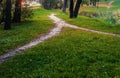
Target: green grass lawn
<point>91,23</point>
<point>25,31</point>
<point>72,54</point>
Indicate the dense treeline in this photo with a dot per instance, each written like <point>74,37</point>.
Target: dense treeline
<point>10,13</point>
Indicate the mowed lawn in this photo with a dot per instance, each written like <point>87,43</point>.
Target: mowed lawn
<point>25,31</point>
<point>72,54</point>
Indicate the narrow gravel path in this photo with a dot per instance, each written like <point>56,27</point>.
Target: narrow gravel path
<point>53,32</point>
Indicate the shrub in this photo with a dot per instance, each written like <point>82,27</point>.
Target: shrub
<point>26,13</point>
<point>113,17</point>
<point>117,16</point>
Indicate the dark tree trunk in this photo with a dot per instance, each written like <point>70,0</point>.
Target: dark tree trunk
<point>77,8</point>
<point>74,11</point>
<point>65,6</point>
<point>61,4</point>
<point>8,15</point>
<point>94,4</point>
<point>3,15</point>
<point>71,9</point>
<point>0,1</point>
<point>17,13</point>
<point>47,4</point>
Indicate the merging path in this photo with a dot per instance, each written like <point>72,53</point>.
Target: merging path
<point>59,24</point>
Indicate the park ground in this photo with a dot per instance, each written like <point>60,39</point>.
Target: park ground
<point>72,54</point>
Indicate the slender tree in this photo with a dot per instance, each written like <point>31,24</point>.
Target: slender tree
<point>77,8</point>
<point>61,4</point>
<point>71,8</point>
<point>0,1</point>
<point>8,15</point>
<point>74,11</point>
<point>2,13</point>
<point>17,12</point>
<point>65,6</point>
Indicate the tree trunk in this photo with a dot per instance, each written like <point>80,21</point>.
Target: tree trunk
<point>74,11</point>
<point>8,15</point>
<point>65,6</point>
<point>17,13</point>
<point>61,4</point>
<point>0,1</point>
<point>77,8</point>
<point>3,15</point>
<point>71,9</point>
<point>47,4</point>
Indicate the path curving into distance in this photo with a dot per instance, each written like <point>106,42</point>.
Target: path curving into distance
<point>59,24</point>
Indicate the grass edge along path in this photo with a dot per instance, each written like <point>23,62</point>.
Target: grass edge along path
<point>55,31</point>
<point>91,23</point>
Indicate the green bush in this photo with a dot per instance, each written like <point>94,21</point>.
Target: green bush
<point>117,16</point>
<point>110,17</point>
<point>26,13</point>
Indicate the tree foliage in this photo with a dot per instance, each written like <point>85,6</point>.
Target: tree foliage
<point>26,13</point>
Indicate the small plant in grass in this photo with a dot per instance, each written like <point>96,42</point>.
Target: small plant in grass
<point>117,16</point>
<point>113,17</point>
<point>110,18</point>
